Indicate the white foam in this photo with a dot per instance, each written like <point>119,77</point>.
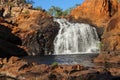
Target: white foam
<point>75,38</point>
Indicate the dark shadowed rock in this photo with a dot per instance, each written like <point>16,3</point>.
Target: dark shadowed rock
<point>8,49</point>
<point>9,42</point>
<point>1,11</point>
<point>37,31</point>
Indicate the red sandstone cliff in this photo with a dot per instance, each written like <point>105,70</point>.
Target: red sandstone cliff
<point>27,30</point>
<point>111,41</point>
<point>98,12</point>
<point>33,31</point>
<point>103,13</point>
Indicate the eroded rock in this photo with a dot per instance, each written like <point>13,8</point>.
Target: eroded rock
<point>16,68</point>
<point>96,12</point>
<point>111,41</point>
<point>37,31</point>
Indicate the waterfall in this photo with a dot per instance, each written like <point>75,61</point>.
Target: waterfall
<point>75,38</point>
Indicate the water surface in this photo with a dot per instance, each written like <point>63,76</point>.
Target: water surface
<point>70,59</point>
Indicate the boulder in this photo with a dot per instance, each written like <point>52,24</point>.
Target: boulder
<point>18,69</point>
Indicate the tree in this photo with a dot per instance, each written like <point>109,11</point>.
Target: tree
<point>58,12</point>
<point>67,11</point>
<point>55,11</point>
<point>51,11</point>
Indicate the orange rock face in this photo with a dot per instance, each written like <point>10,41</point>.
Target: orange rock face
<point>97,12</point>
<point>36,28</point>
<point>17,69</point>
<point>111,40</point>
<point>111,37</point>
<point>103,13</point>
<point>32,30</point>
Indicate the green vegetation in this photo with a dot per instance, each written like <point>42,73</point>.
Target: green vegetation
<point>54,64</point>
<point>38,8</point>
<point>53,10</point>
<point>58,12</point>
<point>23,1</point>
<point>27,12</point>
<point>100,45</point>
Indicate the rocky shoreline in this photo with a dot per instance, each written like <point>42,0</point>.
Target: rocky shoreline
<point>24,31</point>
<point>15,68</point>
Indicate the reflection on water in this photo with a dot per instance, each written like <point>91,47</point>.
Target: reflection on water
<point>83,59</point>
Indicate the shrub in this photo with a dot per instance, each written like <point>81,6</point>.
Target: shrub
<point>54,64</point>
<point>38,8</point>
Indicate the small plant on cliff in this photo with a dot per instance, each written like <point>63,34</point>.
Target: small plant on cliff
<point>23,1</point>
<point>27,12</point>
<point>100,45</point>
<point>54,64</point>
<point>38,8</point>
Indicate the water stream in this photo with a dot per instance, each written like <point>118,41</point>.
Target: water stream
<point>75,38</point>
<point>76,43</point>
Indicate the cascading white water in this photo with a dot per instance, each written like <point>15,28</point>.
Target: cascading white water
<point>75,38</point>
